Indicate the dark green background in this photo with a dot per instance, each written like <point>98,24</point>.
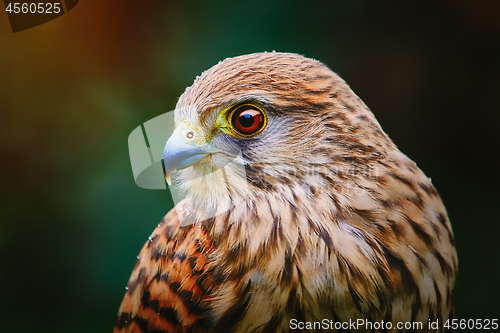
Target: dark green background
<point>71,91</point>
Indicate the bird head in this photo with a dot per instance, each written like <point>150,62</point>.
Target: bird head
<point>267,121</point>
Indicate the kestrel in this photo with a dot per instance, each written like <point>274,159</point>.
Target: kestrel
<point>335,224</point>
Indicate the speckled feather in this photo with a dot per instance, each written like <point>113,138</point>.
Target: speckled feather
<point>339,224</point>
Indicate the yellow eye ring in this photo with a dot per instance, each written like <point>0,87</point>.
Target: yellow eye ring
<point>247,120</point>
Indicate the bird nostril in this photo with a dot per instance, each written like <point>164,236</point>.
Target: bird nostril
<point>189,135</point>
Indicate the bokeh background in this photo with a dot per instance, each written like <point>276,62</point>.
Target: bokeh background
<point>72,219</point>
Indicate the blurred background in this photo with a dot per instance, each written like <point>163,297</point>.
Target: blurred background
<point>72,219</point>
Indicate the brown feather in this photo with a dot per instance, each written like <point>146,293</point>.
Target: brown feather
<point>339,224</point>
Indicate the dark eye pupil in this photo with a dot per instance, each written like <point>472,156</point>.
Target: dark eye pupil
<point>246,120</point>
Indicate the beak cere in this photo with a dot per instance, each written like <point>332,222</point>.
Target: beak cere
<point>185,148</point>
<point>179,154</point>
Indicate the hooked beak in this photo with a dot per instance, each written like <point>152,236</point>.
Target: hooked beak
<point>178,154</point>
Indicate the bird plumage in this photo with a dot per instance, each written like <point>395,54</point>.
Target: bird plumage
<point>337,223</point>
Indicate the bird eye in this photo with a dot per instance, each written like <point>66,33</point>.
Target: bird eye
<point>248,120</point>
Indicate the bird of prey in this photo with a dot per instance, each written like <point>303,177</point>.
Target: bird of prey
<point>336,226</point>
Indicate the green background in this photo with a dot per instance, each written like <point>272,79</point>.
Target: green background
<point>72,219</point>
